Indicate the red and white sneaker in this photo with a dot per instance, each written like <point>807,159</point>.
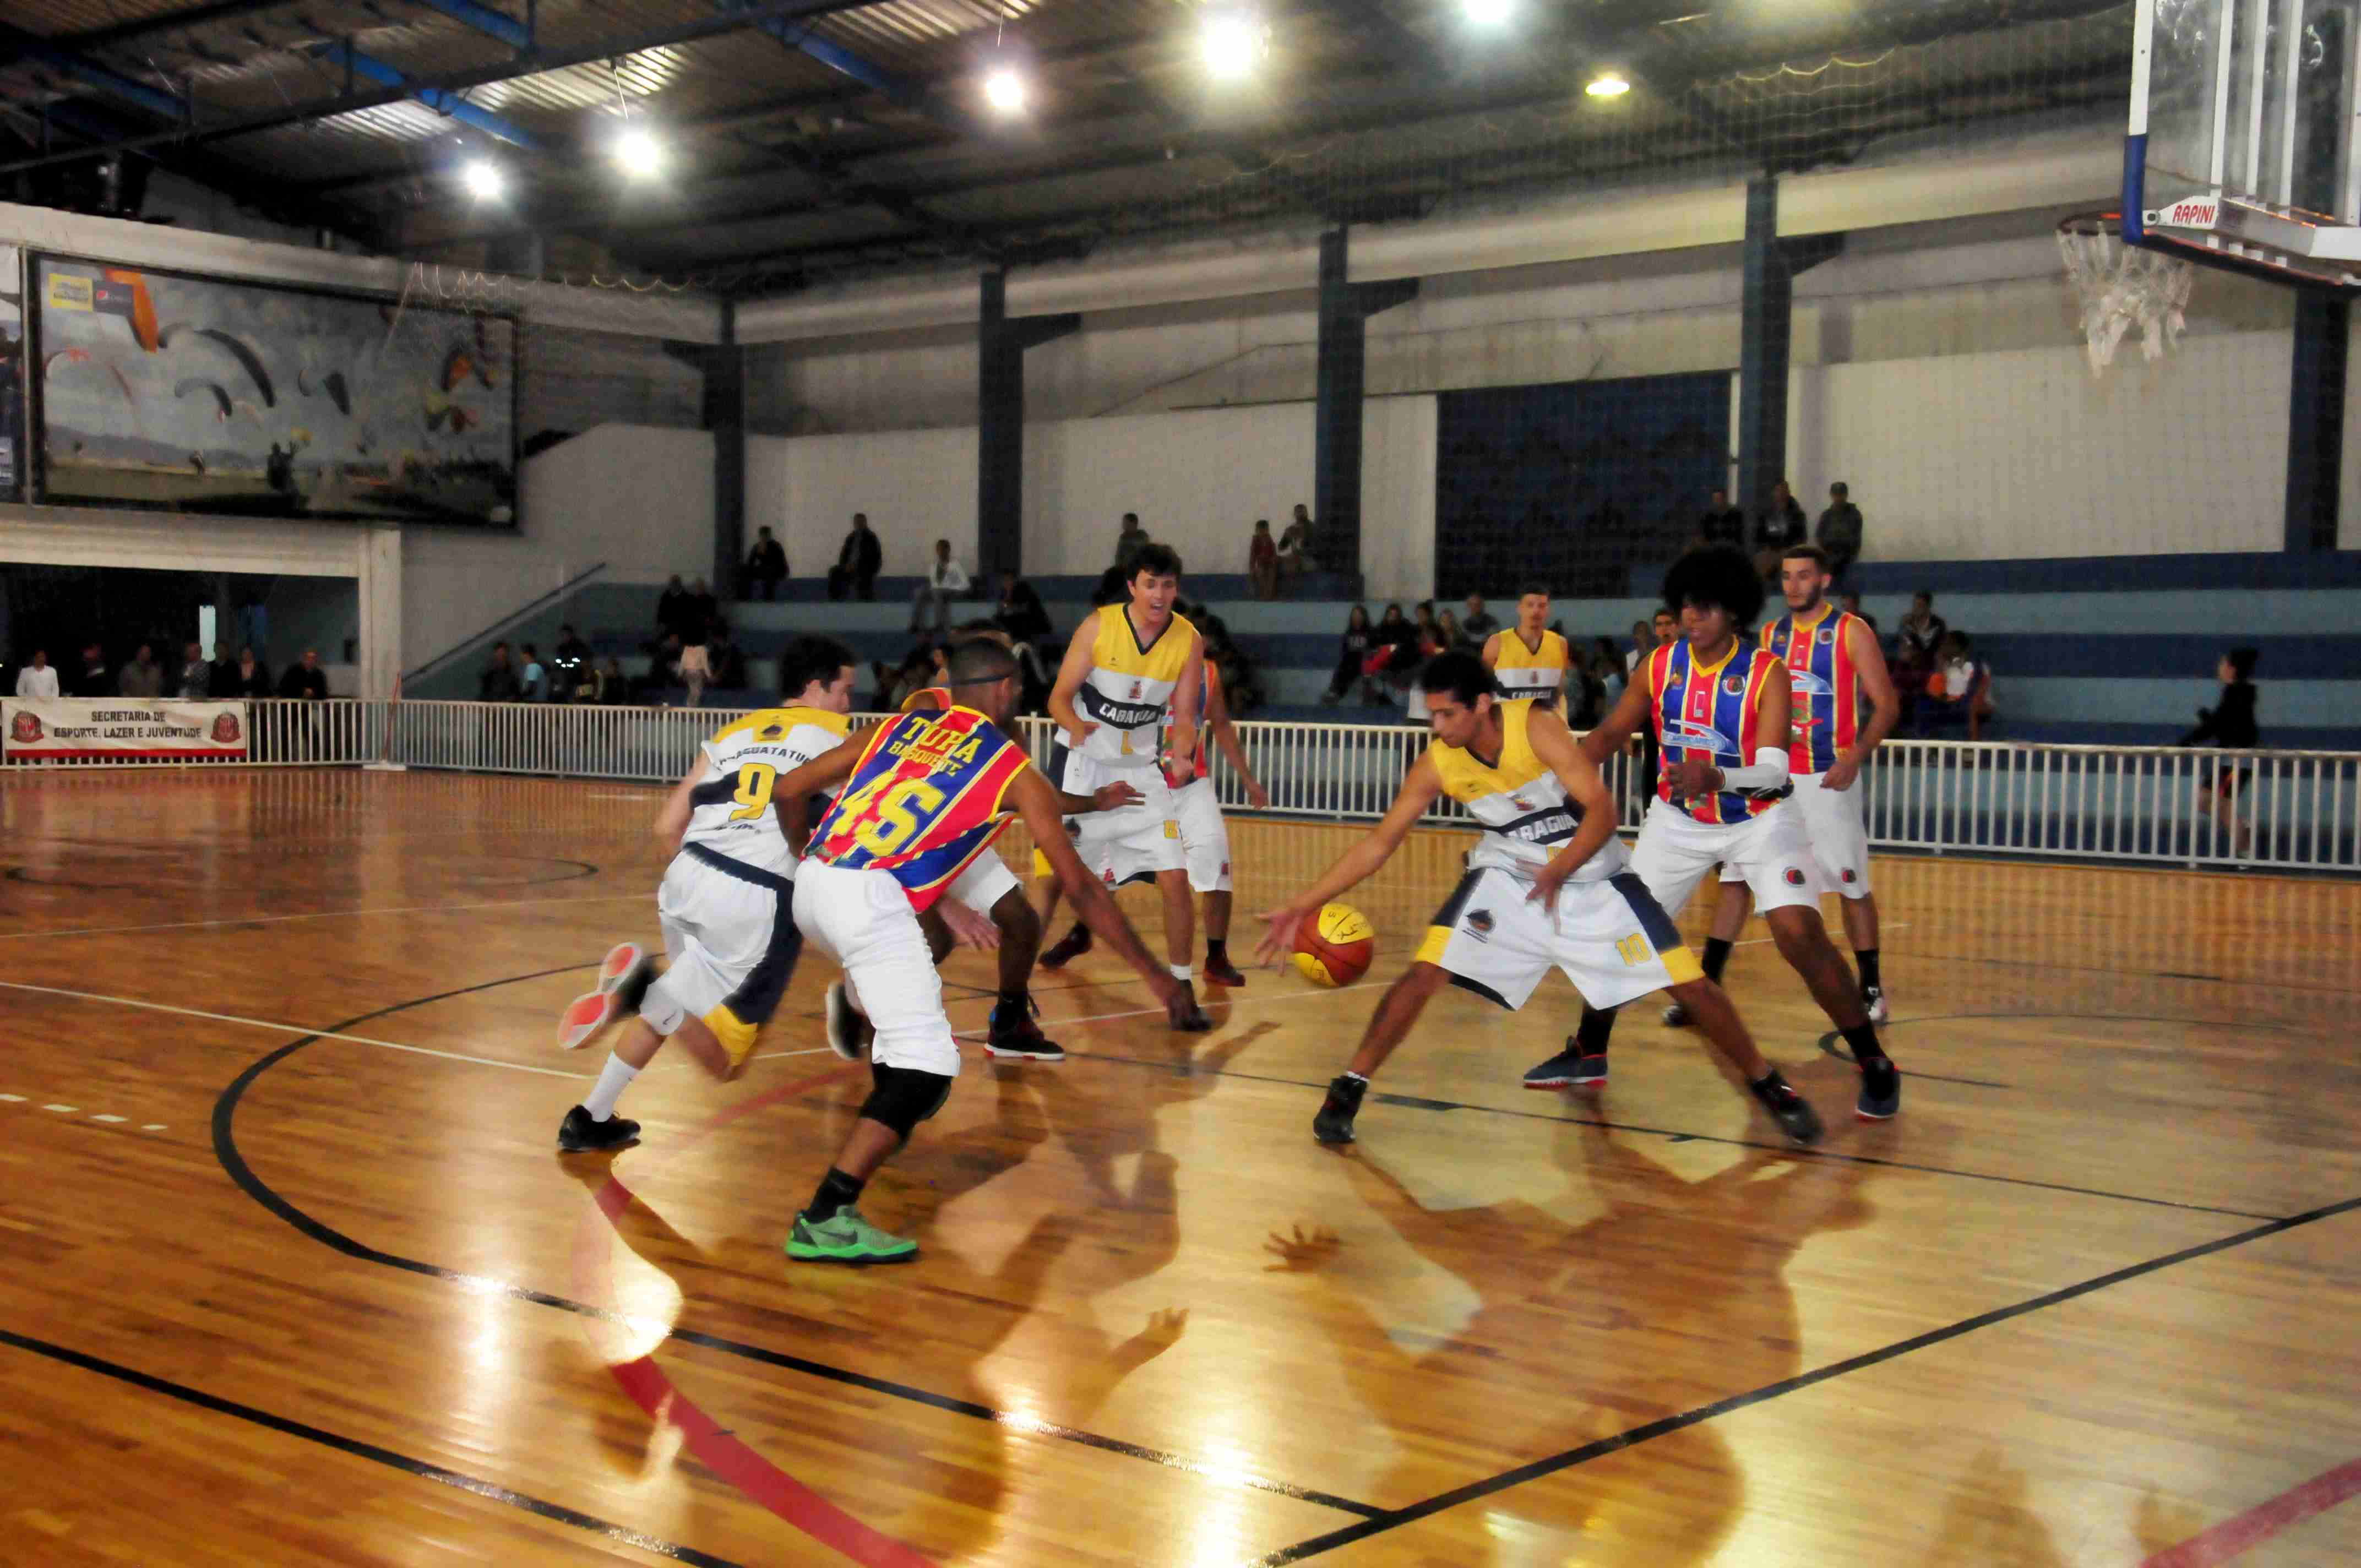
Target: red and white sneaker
<point>623,979</point>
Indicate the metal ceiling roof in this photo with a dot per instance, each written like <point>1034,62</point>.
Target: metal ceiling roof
<point>839,135</point>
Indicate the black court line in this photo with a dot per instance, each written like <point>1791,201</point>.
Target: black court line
<point>234,1164</point>
<point>615,1533</point>
<point>1491,1485</point>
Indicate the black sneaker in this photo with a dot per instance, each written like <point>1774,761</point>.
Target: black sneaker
<point>1221,972</point>
<point>1335,1122</point>
<point>1069,948</point>
<point>1015,1033</point>
<point>1792,1111</point>
<point>1569,1070</point>
<point>849,1033</point>
<point>579,1135</point>
<point>1881,1089</point>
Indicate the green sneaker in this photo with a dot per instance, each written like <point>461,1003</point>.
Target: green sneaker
<point>846,1237</point>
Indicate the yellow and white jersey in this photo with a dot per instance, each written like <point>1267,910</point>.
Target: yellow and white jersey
<point>1128,692</point>
<point>1522,672</point>
<point>1526,814</point>
<point>729,810</point>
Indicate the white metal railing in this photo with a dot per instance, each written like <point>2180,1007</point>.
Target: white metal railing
<point>2293,810</point>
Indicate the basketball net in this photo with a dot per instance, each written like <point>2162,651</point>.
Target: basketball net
<point>2121,285</point>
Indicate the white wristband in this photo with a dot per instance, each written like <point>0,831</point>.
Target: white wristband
<point>1768,771</point>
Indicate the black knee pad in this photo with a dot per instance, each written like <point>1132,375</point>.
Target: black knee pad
<point>904,1096</point>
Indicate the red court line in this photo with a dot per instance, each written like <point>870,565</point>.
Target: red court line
<point>2264,1520</point>
<point>653,1391</point>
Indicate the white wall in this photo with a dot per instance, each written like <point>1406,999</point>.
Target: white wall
<point>916,486</point>
<point>640,501</point>
<point>1197,480</point>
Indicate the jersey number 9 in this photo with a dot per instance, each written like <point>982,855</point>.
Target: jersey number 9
<point>753,796</point>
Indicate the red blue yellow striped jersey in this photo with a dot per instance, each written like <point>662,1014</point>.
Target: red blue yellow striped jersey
<point>1827,689</point>
<point>928,795</point>
<point>1714,711</point>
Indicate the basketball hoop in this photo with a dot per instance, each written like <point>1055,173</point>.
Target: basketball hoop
<point>2120,284</point>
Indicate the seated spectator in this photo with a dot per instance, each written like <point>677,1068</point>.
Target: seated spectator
<point>1959,689</point>
<point>2229,724</point>
<point>1393,656</point>
<point>1476,628</point>
<point>143,676</point>
<point>1019,612</point>
<point>608,686</point>
<point>945,579</point>
<point>1352,654</point>
<point>1839,531</point>
<point>37,679</point>
<point>725,658</point>
<point>196,674</point>
<point>918,670</point>
<point>1722,524</point>
<point>1780,524</point>
<point>1262,561</point>
<point>1295,547</point>
<point>498,682</point>
<point>1915,645</point>
<point>1447,634</point>
<point>1851,605</point>
<point>1430,637</point>
<point>305,679</point>
<point>858,563</point>
<point>251,678</point>
<point>766,567</point>
<point>569,667</point>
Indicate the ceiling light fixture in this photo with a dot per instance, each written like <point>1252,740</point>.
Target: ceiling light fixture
<point>1233,44</point>
<point>1608,84</point>
<point>637,152</point>
<point>483,179</point>
<point>1004,89</point>
<point>1487,12</point>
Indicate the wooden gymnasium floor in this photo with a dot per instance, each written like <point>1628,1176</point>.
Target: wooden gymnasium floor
<point>294,1274</point>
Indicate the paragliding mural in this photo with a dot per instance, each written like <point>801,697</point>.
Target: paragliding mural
<point>203,395</point>
<point>12,371</point>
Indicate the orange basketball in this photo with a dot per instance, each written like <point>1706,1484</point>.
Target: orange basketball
<point>1336,948</point>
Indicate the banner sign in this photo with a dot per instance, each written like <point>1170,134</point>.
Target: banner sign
<point>122,729</point>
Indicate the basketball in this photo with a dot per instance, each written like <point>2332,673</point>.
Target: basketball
<point>1336,948</point>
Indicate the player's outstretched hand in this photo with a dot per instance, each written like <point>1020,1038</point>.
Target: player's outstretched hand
<point>1278,940</point>
<point>968,928</point>
<point>1116,796</point>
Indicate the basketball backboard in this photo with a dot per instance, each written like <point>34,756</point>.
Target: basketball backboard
<point>2240,152</point>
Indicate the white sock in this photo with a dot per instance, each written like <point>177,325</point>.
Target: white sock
<point>613,1079</point>
<point>1183,974</point>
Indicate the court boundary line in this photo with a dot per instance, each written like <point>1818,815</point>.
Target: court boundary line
<point>2242,1532</point>
<point>492,1491</point>
<point>234,1165</point>
<point>1567,1459</point>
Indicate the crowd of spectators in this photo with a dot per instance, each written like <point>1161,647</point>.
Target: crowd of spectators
<point>194,679</point>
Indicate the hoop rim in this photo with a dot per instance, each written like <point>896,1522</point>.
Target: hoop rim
<point>2095,222</point>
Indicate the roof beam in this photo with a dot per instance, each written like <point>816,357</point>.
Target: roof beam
<point>449,104</point>
<point>74,66</point>
<point>484,19</point>
<point>900,91</point>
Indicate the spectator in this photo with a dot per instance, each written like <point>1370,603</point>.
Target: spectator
<point>37,679</point>
<point>945,580</point>
<point>1430,635</point>
<point>499,681</point>
<point>917,671</point>
<point>1914,646</point>
<point>2229,724</point>
<point>724,658</point>
<point>143,676</point>
<point>248,677</point>
<point>610,686</point>
<point>1722,524</point>
<point>532,681</point>
<point>703,612</point>
<point>196,675</point>
<point>1959,690</point>
<point>1019,613</point>
<point>1393,655</point>
<point>857,563</point>
<point>1351,655</point>
<point>1448,634</point>
<point>307,680</point>
<point>664,667</point>
<point>1130,538</point>
<point>1851,604</point>
<point>696,669</point>
<point>672,606</point>
<point>1779,525</point>
<point>569,667</point>
<point>1295,547</point>
<point>1478,624</point>
<point>1262,561</point>
<point>766,567</point>
<point>96,679</point>
<point>1839,531</point>
<point>1643,642</point>
<point>1586,695</point>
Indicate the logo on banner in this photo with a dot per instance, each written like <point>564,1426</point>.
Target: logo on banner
<point>26,730</point>
<point>70,293</point>
<point>226,731</point>
<point>2189,214</point>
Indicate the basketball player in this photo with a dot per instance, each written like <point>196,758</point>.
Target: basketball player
<point>988,887</point>
<point>1719,707</point>
<point>1528,660</point>
<point>1128,689</point>
<point>1547,885</point>
<point>724,903</point>
<point>1833,661</point>
<point>923,795</point>
<point>1204,838</point>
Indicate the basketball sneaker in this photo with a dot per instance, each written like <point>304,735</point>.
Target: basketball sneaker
<point>1881,1089</point>
<point>1676,1016</point>
<point>1221,972</point>
<point>1569,1070</point>
<point>845,1237</point>
<point>579,1135</point>
<point>623,981</point>
<point>1873,998</point>
<point>1015,1033</point>
<point>1067,948</point>
<point>849,1032</point>
<point>1335,1122</point>
<point>1790,1110</point>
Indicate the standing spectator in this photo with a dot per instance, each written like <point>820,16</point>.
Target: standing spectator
<point>248,677</point>
<point>499,681</point>
<point>96,679</point>
<point>532,683</point>
<point>1020,613</point>
<point>1839,531</point>
<point>1295,547</point>
<point>1476,628</point>
<point>857,563</point>
<point>1352,654</point>
<point>2229,724</point>
<point>766,566</point>
<point>672,606</point>
<point>1722,524</point>
<point>1130,538</point>
<point>143,676</point>
<point>695,670</point>
<point>196,675</point>
<point>945,581</point>
<point>704,610</point>
<point>1643,642</point>
<point>306,679</point>
<point>569,667</point>
<point>1851,604</point>
<point>37,679</point>
<point>1779,525</point>
<point>1262,561</point>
